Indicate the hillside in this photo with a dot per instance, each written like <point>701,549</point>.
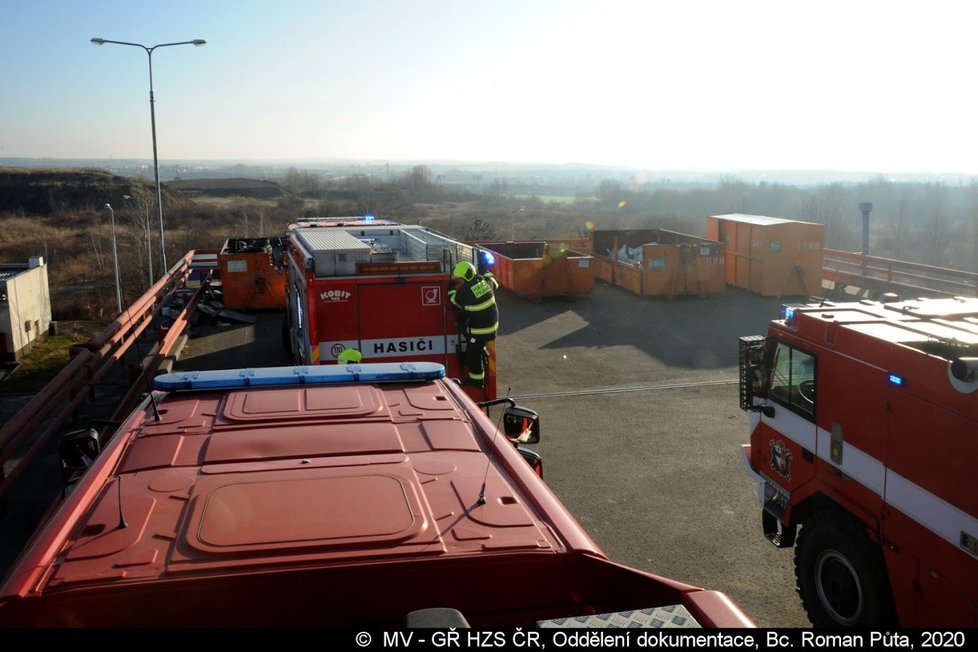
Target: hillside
<point>237,187</point>
<point>45,191</point>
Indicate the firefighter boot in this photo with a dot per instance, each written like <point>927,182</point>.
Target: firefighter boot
<point>478,378</point>
<point>469,381</point>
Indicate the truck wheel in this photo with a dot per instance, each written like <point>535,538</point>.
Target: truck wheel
<point>841,575</point>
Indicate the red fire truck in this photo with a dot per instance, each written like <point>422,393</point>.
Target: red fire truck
<point>379,287</point>
<point>863,419</point>
<point>356,496</point>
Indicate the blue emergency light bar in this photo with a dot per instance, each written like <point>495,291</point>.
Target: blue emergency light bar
<point>896,380</point>
<point>488,258</point>
<point>375,372</point>
<point>787,312</point>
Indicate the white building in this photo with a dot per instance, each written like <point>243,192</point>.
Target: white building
<point>25,307</point>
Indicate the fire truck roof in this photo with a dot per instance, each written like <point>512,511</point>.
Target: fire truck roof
<point>914,323</point>
<point>358,220</point>
<point>244,473</point>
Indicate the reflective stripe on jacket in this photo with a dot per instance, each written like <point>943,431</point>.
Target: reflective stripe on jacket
<point>477,299</point>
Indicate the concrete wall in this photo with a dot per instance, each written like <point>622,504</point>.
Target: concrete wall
<point>25,308</point>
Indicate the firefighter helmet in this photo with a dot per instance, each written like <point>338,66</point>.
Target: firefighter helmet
<point>464,270</point>
<point>349,356</point>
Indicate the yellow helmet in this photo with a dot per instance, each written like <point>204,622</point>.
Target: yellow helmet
<point>349,356</point>
<point>464,270</point>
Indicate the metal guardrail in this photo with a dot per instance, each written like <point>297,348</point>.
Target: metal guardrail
<point>878,274</point>
<point>43,416</point>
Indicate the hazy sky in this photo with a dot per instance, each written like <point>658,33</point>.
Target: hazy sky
<point>868,85</point>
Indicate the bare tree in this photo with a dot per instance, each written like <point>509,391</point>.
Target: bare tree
<point>937,242</point>
<point>479,231</point>
<point>901,230</point>
<point>301,182</point>
<point>419,183</point>
<point>363,185</point>
<point>139,234</point>
<point>96,240</point>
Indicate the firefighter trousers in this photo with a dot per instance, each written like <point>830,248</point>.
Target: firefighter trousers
<point>475,357</point>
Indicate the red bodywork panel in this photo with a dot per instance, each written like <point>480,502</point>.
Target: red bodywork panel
<point>892,442</point>
<point>342,505</point>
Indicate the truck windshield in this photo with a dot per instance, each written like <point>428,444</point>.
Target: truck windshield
<point>793,380</point>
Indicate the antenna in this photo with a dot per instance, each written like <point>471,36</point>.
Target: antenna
<point>156,408</point>
<point>122,519</point>
<point>485,476</point>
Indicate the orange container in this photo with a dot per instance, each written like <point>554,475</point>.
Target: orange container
<point>659,263</point>
<point>249,276</point>
<point>533,270</point>
<point>604,269</point>
<point>771,256</point>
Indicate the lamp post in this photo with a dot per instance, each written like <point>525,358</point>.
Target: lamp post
<point>115,264</point>
<point>152,117</point>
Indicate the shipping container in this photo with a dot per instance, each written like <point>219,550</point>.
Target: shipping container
<point>250,277</point>
<point>534,270</point>
<point>771,256</point>
<point>659,263</point>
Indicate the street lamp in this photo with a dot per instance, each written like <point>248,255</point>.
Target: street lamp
<point>115,263</point>
<point>152,116</point>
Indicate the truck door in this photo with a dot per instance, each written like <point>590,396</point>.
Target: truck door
<point>787,439</point>
<point>296,336</point>
<point>931,526</point>
<point>404,321</point>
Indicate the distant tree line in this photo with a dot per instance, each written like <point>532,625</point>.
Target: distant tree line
<point>932,223</point>
<point>928,222</point>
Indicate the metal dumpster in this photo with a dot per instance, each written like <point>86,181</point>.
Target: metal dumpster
<point>249,276</point>
<point>771,256</point>
<point>659,263</point>
<point>537,269</point>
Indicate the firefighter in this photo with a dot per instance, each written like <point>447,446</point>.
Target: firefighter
<point>475,301</point>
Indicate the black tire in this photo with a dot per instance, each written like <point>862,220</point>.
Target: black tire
<point>841,575</point>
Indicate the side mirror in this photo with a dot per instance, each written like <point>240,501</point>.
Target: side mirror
<point>752,349</point>
<point>521,425</point>
<point>77,451</point>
